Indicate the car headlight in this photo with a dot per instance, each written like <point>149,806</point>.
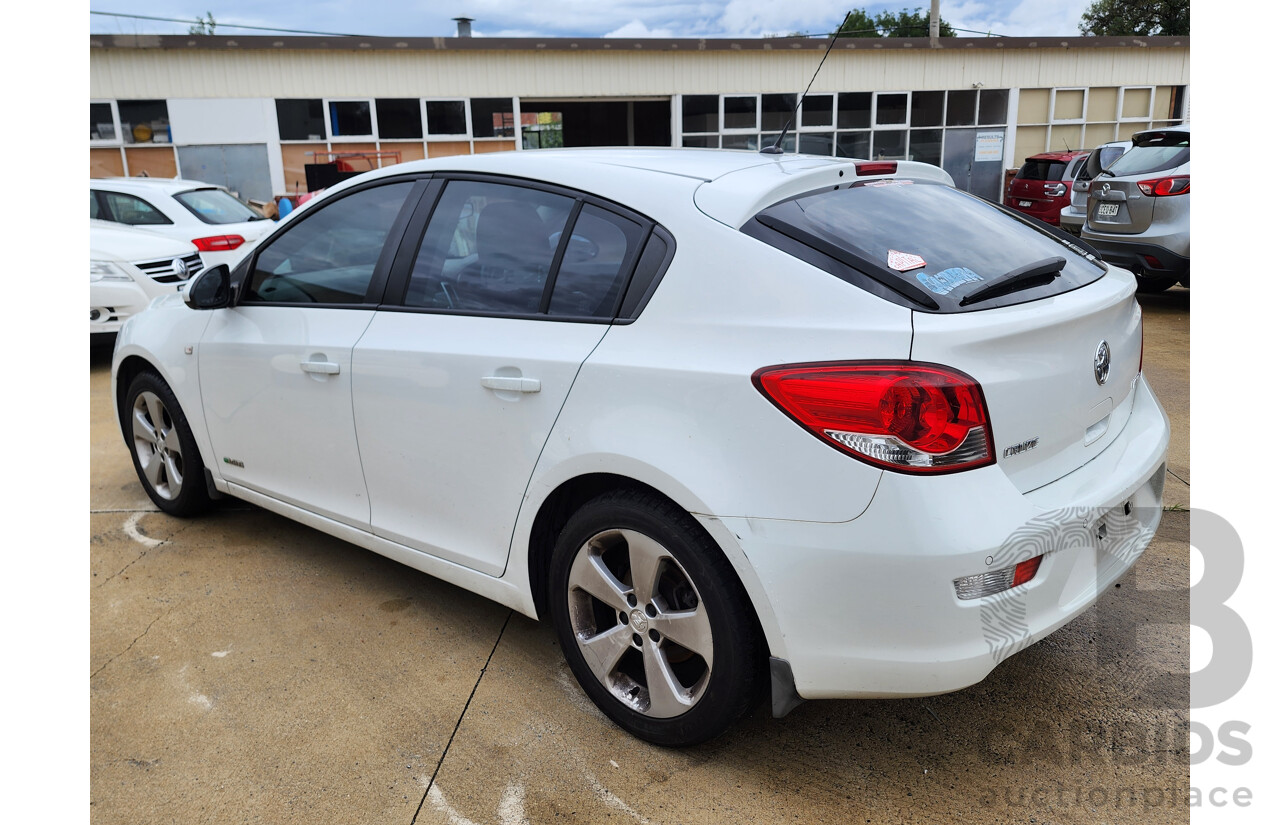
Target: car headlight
<point>107,271</point>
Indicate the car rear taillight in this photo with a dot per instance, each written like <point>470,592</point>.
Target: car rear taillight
<point>877,168</point>
<point>906,415</point>
<point>218,243</point>
<point>1158,187</point>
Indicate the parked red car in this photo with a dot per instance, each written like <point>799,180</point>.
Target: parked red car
<point>1043,184</point>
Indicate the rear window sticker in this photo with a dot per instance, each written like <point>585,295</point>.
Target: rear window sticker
<point>947,279</point>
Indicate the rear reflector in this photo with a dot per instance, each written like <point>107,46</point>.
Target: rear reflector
<point>218,243</point>
<point>1152,262</point>
<point>997,581</point>
<point>902,415</point>
<point>877,168</point>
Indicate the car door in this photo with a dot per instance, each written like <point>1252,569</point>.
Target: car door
<point>275,369</point>
<point>459,379</point>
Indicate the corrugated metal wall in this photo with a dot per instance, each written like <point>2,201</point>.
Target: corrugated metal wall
<point>199,73</point>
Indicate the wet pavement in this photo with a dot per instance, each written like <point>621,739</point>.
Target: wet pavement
<point>245,668</point>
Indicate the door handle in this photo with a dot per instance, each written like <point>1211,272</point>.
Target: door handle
<point>511,383</point>
<point>320,367</point>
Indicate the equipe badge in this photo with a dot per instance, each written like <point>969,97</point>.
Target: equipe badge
<point>947,279</point>
<point>904,261</point>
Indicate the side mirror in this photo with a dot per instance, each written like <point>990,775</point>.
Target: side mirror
<point>211,289</point>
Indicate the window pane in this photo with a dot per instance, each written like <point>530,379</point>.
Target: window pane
<point>751,142</point>
<point>300,119</point>
<point>488,249</point>
<point>740,112</point>
<point>700,113</point>
<point>853,145</point>
<point>960,107</point>
<point>596,261</point>
<point>788,143</point>
<point>100,125</point>
<point>702,141</point>
<point>817,144</point>
<point>926,146</point>
<point>926,108</point>
<point>123,208</point>
<point>347,118</point>
<point>776,111</point>
<point>993,107</point>
<point>399,118</point>
<point>492,117</point>
<point>328,257</point>
<point>891,109</point>
<point>216,206</point>
<point>889,145</point>
<point>854,110</point>
<point>144,121</point>
<point>816,110</point>
<point>446,117</point>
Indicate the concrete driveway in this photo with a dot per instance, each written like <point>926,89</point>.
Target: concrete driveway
<point>247,669</point>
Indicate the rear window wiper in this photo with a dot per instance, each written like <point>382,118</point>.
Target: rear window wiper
<point>1024,277</point>
<point>1106,172</point>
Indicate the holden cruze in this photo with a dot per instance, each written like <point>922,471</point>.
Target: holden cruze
<point>738,425</point>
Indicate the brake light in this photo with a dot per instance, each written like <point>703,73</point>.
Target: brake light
<point>905,415</point>
<point>883,167</point>
<point>1159,187</point>
<point>218,243</point>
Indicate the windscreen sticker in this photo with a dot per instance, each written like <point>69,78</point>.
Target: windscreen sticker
<point>947,279</point>
<point>904,261</point>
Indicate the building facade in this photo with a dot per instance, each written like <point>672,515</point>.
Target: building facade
<point>251,112</point>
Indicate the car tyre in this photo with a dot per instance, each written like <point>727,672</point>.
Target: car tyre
<point>653,621</point>
<point>164,451</point>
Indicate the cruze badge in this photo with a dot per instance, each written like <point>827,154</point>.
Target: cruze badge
<point>1102,363</point>
<point>1029,444</point>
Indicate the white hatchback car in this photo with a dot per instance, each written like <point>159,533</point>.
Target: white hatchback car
<point>127,268</point>
<point>737,424</point>
<point>221,227</point>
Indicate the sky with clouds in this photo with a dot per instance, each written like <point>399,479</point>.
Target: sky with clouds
<point>578,18</point>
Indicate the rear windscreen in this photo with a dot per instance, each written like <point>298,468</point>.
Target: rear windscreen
<point>1042,170</point>
<point>1154,152</point>
<point>926,243</point>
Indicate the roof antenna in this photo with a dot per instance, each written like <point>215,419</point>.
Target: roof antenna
<point>776,148</point>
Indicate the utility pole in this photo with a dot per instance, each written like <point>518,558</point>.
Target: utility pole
<point>933,24</point>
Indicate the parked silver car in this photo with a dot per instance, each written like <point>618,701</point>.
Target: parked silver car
<point>1140,209</point>
<point>1073,214</point>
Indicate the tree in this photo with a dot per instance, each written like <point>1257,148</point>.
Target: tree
<point>203,25</point>
<point>904,23</point>
<point>1124,18</point>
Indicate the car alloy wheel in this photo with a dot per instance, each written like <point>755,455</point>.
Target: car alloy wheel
<point>640,624</point>
<point>157,445</point>
<point>653,621</point>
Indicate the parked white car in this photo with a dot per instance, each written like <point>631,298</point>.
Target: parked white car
<point>221,227</point>
<point>128,267</point>
<point>736,424</point>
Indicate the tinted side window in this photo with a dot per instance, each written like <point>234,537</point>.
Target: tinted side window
<point>329,256</point>
<point>133,211</point>
<point>488,248</point>
<point>596,262</point>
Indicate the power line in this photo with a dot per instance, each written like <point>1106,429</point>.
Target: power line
<point>223,25</point>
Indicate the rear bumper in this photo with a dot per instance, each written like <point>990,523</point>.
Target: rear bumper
<point>868,608</point>
<point>1132,255</point>
<point>1047,211</point>
<point>1071,219</point>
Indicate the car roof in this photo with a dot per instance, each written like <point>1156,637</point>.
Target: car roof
<point>167,185</point>
<point>729,183</point>
<point>1063,155</point>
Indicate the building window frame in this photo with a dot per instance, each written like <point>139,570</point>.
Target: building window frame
<point>118,140</point>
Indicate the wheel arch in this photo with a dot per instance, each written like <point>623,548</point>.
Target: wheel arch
<point>567,497</point>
